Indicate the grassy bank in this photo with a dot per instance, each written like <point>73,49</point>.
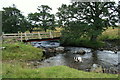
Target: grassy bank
<point>109,34</point>
<point>18,54</point>
<point>17,71</point>
<point>20,51</point>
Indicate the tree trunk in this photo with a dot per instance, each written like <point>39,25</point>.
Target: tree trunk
<point>94,57</point>
<point>45,30</point>
<point>31,31</point>
<point>93,38</point>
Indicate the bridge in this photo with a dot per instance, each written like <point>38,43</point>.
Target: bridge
<point>29,37</point>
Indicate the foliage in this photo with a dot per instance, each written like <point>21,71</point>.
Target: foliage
<point>82,42</point>
<point>43,19</point>
<point>20,51</point>
<point>13,21</point>
<point>33,19</point>
<point>46,19</point>
<point>118,10</point>
<point>96,17</point>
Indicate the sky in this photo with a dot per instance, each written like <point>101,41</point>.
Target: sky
<point>30,6</point>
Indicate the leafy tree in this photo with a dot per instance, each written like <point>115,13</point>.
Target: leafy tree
<point>96,17</point>
<point>33,19</point>
<point>42,19</point>
<point>13,20</point>
<point>118,10</point>
<point>45,18</point>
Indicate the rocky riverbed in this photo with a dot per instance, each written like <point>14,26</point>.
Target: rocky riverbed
<point>105,59</point>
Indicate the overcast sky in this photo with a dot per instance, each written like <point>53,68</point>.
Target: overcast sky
<point>28,6</point>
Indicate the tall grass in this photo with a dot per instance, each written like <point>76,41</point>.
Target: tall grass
<point>110,34</point>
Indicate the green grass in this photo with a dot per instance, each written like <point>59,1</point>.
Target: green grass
<point>18,51</point>
<point>17,71</point>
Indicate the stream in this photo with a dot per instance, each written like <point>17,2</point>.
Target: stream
<point>106,58</point>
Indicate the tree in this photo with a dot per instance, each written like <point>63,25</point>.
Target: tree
<point>42,19</point>
<point>13,20</point>
<point>33,19</point>
<point>97,17</point>
<point>45,18</point>
<point>118,10</point>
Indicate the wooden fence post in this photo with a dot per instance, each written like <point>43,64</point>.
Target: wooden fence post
<point>39,36</point>
<point>18,35</point>
<point>51,36</point>
<point>3,36</point>
<point>25,36</point>
<point>21,37</point>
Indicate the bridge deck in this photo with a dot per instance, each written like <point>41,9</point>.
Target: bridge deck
<point>43,39</point>
<point>28,37</point>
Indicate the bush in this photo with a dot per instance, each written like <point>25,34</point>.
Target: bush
<point>82,42</point>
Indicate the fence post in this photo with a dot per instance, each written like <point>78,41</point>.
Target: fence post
<point>25,36</point>
<point>60,33</point>
<point>2,36</point>
<point>51,36</point>
<point>21,37</point>
<point>18,35</point>
<point>39,36</point>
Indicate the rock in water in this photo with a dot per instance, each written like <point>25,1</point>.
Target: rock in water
<point>96,68</point>
<point>82,52</point>
<point>60,49</point>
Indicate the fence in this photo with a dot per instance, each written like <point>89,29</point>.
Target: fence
<point>26,36</point>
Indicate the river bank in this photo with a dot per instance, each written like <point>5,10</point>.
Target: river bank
<point>64,55</point>
<point>17,66</point>
<point>110,44</point>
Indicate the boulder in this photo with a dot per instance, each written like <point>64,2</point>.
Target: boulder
<point>101,49</point>
<point>82,52</point>
<point>60,49</point>
<point>51,50</point>
<point>96,68</point>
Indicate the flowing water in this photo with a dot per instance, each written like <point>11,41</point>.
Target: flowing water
<point>107,59</point>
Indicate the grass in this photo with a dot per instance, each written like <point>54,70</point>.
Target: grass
<point>110,34</point>
<point>17,71</point>
<point>18,51</point>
